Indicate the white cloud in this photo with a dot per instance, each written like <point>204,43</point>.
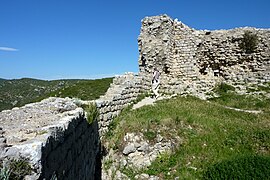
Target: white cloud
<point>8,49</point>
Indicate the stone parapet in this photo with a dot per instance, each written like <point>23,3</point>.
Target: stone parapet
<point>54,135</point>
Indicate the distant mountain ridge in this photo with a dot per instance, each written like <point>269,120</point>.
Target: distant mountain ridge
<point>18,92</point>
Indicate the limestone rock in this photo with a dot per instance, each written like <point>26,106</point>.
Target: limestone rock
<point>129,149</point>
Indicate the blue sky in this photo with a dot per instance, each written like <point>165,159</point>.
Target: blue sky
<point>54,39</point>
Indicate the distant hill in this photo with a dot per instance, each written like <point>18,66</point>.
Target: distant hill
<point>18,92</point>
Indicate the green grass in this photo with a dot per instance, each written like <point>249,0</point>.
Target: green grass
<point>15,169</point>
<point>243,102</point>
<point>18,92</point>
<point>228,97</point>
<point>243,167</point>
<point>210,134</point>
<point>92,112</point>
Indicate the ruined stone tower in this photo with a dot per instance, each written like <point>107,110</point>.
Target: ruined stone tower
<point>195,60</point>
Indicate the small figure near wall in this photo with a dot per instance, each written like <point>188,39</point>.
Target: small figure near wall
<point>156,82</point>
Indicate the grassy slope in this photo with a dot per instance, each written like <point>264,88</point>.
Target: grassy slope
<point>22,91</point>
<point>211,134</point>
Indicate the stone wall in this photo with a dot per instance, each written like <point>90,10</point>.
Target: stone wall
<point>72,152</point>
<point>122,92</point>
<point>194,61</point>
<point>55,135</point>
<point>56,138</point>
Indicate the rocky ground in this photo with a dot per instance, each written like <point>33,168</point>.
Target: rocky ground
<point>137,152</point>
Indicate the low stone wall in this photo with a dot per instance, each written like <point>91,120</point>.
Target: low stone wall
<point>121,93</point>
<point>72,153</point>
<point>56,138</point>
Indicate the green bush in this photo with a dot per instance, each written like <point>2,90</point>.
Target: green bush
<point>223,88</point>
<point>15,169</point>
<point>150,135</point>
<point>4,173</point>
<point>246,167</point>
<point>92,112</point>
<point>249,42</point>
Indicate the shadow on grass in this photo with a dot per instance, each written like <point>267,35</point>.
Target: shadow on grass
<point>245,167</point>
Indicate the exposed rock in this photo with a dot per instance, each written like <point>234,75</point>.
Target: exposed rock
<point>144,147</point>
<point>12,152</point>
<point>3,140</point>
<point>142,176</point>
<point>146,176</point>
<point>120,176</point>
<point>139,153</point>
<point>32,117</point>
<point>129,149</point>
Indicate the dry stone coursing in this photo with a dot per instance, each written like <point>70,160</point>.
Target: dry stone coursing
<point>194,61</point>
<point>55,136</point>
<point>122,92</point>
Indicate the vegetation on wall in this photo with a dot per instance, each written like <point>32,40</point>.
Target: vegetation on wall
<point>15,169</point>
<point>92,112</point>
<point>249,42</point>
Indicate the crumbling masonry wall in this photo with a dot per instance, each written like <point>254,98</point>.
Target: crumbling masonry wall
<point>194,61</point>
<point>55,136</point>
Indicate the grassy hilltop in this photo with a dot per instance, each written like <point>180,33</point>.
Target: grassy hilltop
<point>218,140</point>
<point>18,92</point>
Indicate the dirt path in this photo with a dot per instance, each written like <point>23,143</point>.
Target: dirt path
<point>151,101</point>
<point>237,109</point>
<point>244,110</point>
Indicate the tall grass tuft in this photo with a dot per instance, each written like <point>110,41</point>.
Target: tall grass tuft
<point>4,173</point>
<point>92,112</point>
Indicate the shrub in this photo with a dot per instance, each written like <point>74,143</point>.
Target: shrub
<point>249,42</point>
<point>223,88</point>
<point>246,167</point>
<point>92,112</point>
<point>150,134</point>
<point>4,173</point>
<point>15,169</point>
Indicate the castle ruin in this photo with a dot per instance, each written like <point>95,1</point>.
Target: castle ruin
<point>194,61</point>
<point>54,133</point>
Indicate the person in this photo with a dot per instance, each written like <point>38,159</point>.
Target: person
<point>155,82</point>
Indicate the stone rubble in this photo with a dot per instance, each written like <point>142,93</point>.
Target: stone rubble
<point>138,153</point>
